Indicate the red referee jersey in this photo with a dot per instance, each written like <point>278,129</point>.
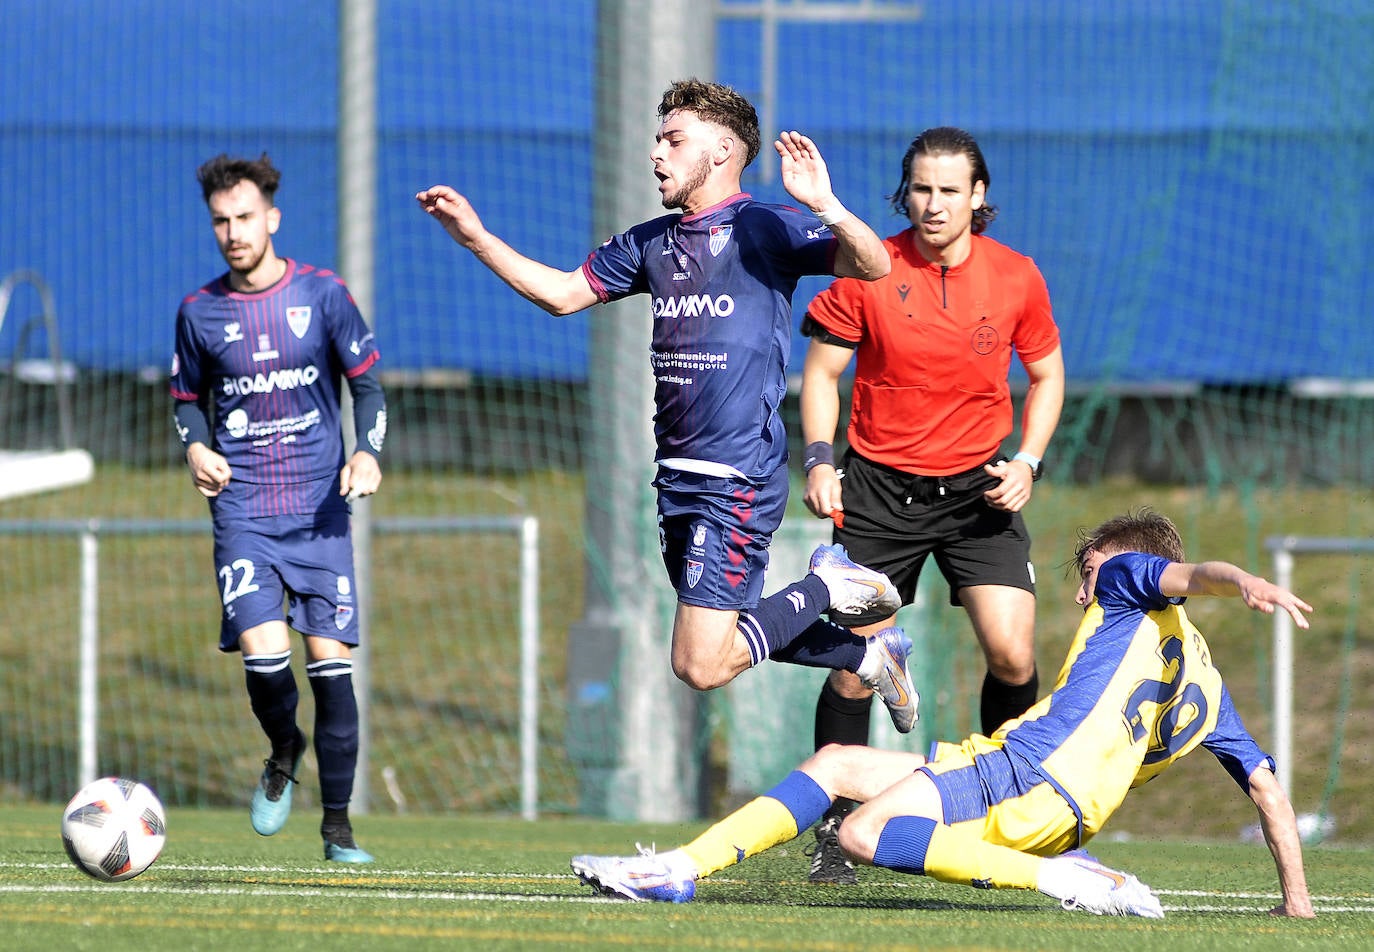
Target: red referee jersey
<point>935,345</point>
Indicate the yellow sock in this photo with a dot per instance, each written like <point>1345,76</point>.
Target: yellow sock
<point>955,856</point>
<point>761,823</point>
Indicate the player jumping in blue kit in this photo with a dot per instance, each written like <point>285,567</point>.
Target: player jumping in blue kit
<point>1138,691</point>
<point>720,277</point>
<point>265,348</point>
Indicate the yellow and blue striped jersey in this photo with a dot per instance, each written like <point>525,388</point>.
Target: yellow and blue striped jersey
<point>1138,691</point>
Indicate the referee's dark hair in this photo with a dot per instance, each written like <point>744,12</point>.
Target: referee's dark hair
<point>947,140</point>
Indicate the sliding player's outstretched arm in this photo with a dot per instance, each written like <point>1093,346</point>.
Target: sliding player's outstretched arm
<point>1223,578</point>
<point>1280,829</point>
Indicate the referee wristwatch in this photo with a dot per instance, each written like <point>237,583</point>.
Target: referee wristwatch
<point>1036,464</point>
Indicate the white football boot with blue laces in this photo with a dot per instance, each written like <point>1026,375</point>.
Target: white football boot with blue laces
<point>643,878</point>
<point>853,588</point>
<point>884,670</point>
<point>1083,884</point>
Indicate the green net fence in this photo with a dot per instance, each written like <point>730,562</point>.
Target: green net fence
<point>1191,178</point>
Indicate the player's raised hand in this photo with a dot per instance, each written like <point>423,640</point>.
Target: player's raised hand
<point>804,172</point>
<point>1264,596</point>
<point>446,206</point>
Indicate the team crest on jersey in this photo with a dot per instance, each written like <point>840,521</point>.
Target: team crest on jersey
<point>720,237</point>
<point>265,349</point>
<point>694,569</point>
<point>343,614</point>
<point>984,340</point>
<point>298,319</point>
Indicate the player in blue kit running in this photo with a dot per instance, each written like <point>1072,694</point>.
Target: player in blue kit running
<point>720,277</point>
<point>1137,692</point>
<point>261,353</point>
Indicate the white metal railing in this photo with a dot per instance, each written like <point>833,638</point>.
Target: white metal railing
<point>525,528</point>
<point>49,315</point>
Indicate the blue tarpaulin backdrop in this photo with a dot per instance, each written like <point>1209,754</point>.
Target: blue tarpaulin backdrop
<point>1192,177</point>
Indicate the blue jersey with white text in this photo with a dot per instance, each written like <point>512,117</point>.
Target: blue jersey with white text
<point>720,284</point>
<point>271,363</point>
<point>1137,692</point>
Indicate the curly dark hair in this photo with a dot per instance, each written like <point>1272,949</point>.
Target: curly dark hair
<point>718,104</point>
<point>946,140</point>
<point>225,171</point>
<point>1141,530</point>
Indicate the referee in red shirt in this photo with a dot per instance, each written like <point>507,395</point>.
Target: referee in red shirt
<point>925,473</point>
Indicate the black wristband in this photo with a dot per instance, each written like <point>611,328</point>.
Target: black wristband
<point>816,454</point>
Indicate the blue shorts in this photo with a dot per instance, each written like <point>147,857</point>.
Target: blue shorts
<point>304,563</point>
<point>1002,798</point>
<point>714,534</point>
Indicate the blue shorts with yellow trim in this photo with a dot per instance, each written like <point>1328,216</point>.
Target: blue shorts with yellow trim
<point>1002,798</point>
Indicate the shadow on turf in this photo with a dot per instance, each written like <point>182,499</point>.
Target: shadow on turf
<point>904,904</point>
<point>804,895</point>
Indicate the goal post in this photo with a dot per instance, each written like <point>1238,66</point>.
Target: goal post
<point>87,678</point>
<point>1285,549</point>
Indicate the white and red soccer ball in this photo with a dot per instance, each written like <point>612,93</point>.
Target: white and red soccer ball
<point>114,828</point>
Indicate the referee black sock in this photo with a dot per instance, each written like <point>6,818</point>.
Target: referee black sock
<point>841,720</point>
<point>1001,701</point>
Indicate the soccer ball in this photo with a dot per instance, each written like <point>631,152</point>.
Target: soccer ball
<point>114,828</point>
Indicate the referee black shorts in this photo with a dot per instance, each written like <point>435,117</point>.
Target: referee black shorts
<point>893,520</point>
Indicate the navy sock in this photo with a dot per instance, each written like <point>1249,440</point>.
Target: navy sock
<point>273,696</point>
<point>777,620</point>
<point>903,843</point>
<point>823,645</point>
<point>336,729</point>
<point>802,796</point>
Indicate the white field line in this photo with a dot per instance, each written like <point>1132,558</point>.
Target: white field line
<point>1224,902</point>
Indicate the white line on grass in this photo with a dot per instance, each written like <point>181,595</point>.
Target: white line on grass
<point>297,892</point>
<point>336,869</point>
<point>1323,908</point>
<point>1361,904</point>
